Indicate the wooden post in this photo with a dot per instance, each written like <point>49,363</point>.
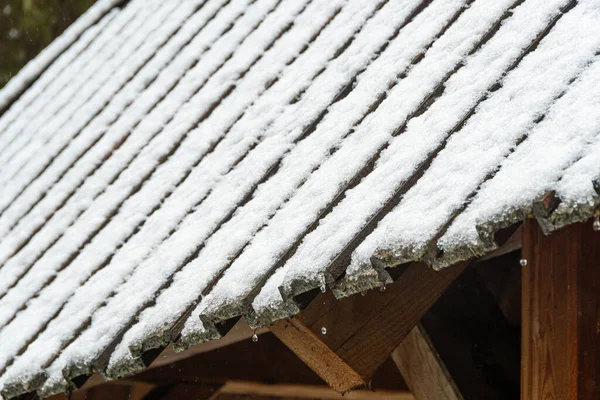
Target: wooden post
<point>561,313</point>
<point>346,341</point>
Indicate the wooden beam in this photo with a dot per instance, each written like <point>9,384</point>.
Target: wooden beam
<point>561,313</point>
<point>181,391</point>
<point>267,360</point>
<point>114,390</point>
<point>422,369</point>
<point>345,341</point>
<point>477,345</point>
<point>246,390</point>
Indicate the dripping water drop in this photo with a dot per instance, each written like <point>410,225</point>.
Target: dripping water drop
<point>255,338</point>
<point>523,262</point>
<point>324,331</point>
<point>597,224</point>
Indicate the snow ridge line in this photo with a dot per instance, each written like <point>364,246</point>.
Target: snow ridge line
<point>407,247</point>
<point>347,287</point>
<point>68,261</point>
<point>102,362</point>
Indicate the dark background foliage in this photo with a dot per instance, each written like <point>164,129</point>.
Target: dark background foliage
<point>28,26</point>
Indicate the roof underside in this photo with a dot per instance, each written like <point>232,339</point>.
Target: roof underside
<point>169,165</point>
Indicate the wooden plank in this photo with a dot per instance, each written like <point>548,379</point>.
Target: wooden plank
<point>422,368</point>
<point>246,390</point>
<point>362,331</point>
<point>561,313</point>
<point>114,390</point>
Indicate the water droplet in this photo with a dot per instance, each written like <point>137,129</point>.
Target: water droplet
<point>597,224</point>
<point>324,331</point>
<point>255,338</point>
<point>382,289</point>
<point>523,262</point>
<point>363,293</point>
<point>323,288</point>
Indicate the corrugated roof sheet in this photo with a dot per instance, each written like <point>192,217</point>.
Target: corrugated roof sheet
<point>166,166</point>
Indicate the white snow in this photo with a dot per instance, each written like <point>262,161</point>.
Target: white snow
<point>116,74</point>
<point>570,129</point>
<point>95,291</point>
<point>111,168</point>
<point>94,255</point>
<point>292,220</point>
<point>155,270</point>
<point>51,81</point>
<point>487,138</point>
<point>176,145</point>
<point>121,108</point>
<point>227,241</point>
<point>423,133</point>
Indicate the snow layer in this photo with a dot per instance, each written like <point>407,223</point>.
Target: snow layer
<point>78,131</point>
<point>156,270</point>
<point>304,208</point>
<point>111,168</point>
<point>235,233</point>
<point>210,155</point>
<point>51,81</point>
<point>95,291</point>
<point>112,47</point>
<point>568,133</point>
<point>489,136</point>
<point>423,133</point>
<point>94,255</point>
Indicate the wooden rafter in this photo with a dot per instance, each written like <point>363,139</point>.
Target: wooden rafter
<point>346,341</point>
<point>245,390</point>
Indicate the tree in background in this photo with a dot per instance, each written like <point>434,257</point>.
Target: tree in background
<point>28,26</point>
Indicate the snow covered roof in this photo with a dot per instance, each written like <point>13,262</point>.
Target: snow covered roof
<point>169,165</point>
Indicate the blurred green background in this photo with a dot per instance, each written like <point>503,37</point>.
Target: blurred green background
<point>28,26</point>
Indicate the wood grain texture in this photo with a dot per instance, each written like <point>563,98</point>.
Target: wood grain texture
<point>249,390</point>
<point>362,331</point>
<point>561,314</point>
<point>422,368</point>
<point>326,363</point>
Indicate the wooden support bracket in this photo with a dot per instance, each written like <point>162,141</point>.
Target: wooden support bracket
<point>345,341</point>
<point>424,371</point>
